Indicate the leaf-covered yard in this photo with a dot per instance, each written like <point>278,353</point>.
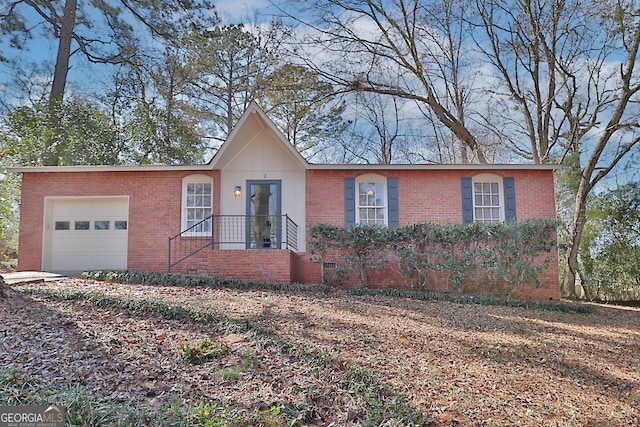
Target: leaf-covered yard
<point>312,358</point>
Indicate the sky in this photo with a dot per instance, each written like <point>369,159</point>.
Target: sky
<point>234,11</point>
<point>86,77</point>
<point>43,49</point>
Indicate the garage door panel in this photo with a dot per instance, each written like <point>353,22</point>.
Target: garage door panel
<point>88,234</point>
<point>78,262</point>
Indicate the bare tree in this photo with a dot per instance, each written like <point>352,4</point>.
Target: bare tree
<point>536,47</point>
<point>561,82</point>
<point>567,68</point>
<point>383,131</point>
<point>405,49</point>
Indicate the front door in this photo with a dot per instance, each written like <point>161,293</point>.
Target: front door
<point>263,214</point>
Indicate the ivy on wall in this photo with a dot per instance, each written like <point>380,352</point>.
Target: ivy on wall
<point>511,253</point>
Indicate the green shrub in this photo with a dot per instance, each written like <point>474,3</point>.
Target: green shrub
<point>9,264</point>
<point>511,253</point>
<point>518,252</point>
<point>425,250</point>
<point>325,240</point>
<point>196,280</point>
<point>202,351</point>
<point>354,250</point>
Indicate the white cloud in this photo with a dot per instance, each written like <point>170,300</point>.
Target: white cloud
<point>236,11</point>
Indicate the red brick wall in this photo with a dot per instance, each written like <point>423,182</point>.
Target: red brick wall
<point>31,220</point>
<point>154,210</point>
<point>273,265</point>
<point>434,196</point>
<point>154,215</point>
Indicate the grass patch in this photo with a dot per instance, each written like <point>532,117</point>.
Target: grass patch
<point>235,372</point>
<point>474,299</point>
<point>84,408</point>
<point>382,403</point>
<point>81,406</point>
<point>196,280</point>
<point>202,351</point>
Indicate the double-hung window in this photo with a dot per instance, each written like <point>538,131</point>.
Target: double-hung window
<point>372,209</point>
<point>488,198</point>
<point>487,201</point>
<point>197,202</point>
<point>371,199</point>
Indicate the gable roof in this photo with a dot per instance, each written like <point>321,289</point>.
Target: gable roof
<point>254,121</point>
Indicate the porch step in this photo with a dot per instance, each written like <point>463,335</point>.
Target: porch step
<point>230,230</point>
<point>201,268</point>
<point>197,271</point>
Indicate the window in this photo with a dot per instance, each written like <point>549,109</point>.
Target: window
<point>101,225</point>
<point>197,202</point>
<point>120,225</point>
<point>486,202</point>
<point>198,207</point>
<point>371,200</point>
<point>62,225</point>
<point>371,203</point>
<point>81,225</point>
<point>488,198</point>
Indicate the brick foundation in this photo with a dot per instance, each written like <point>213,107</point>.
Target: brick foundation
<point>273,265</point>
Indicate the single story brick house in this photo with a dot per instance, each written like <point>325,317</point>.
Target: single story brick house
<point>246,214</point>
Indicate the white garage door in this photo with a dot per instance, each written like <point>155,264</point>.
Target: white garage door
<point>88,234</point>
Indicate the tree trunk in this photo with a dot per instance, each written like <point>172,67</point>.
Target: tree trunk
<point>53,147</point>
<point>568,288</point>
<point>459,129</point>
<point>587,178</point>
<point>3,288</point>
<point>589,295</point>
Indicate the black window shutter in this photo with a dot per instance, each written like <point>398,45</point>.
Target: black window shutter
<point>467,201</point>
<point>509,199</point>
<point>349,201</point>
<point>392,200</point>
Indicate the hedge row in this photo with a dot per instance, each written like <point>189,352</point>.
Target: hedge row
<point>196,280</point>
<point>512,253</point>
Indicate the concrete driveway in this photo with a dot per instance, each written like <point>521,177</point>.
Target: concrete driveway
<point>30,276</point>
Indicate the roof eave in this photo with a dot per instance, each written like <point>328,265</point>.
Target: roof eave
<point>106,168</point>
<point>434,166</point>
<point>208,167</point>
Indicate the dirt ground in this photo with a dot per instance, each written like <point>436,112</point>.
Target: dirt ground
<point>466,365</point>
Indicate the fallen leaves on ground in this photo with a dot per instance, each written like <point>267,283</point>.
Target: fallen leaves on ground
<point>464,365</point>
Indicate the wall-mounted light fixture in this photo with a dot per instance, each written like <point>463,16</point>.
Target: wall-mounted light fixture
<point>237,192</point>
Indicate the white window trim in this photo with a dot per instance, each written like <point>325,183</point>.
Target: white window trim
<point>373,178</point>
<point>193,179</point>
<point>488,178</point>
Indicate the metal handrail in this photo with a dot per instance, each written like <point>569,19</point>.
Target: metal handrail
<point>291,233</point>
<point>230,230</point>
<point>190,246</point>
